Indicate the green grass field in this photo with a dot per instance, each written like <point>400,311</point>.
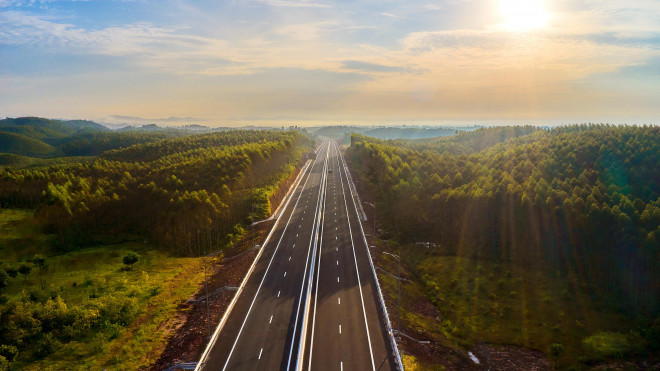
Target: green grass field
<point>125,308</point>
<point>485,302</point>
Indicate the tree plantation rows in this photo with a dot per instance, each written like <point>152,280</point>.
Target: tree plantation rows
<point>584,199</point>
<point>187,195</point>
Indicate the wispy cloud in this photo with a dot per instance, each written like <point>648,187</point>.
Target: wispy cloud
<point>294,3</point>
<point>370,67</point>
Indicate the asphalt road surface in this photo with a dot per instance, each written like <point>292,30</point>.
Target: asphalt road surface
<point>311,301</point>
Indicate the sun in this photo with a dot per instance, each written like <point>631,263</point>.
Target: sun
<point>523,15</point>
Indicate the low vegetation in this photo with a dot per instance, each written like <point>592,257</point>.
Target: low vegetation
<point>73,310</point>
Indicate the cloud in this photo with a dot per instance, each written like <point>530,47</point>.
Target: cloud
<point>304,31</point>
<point>294,4</point>
<point>370,67</point>
<point>169,49</point>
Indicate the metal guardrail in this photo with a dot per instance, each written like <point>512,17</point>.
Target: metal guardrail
<point>390,331</point>
<point>182,366</point>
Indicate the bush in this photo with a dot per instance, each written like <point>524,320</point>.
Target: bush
<point>10,352</point>
<point>556,349</point>
<point>611,344</point>
<point>24,269</point>
<point>48,346</point>
<point>12,272</point>
<point>4,279</point>
<point>4,364</point>
<point>131,258</point>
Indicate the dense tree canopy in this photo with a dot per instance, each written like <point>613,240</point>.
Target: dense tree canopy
<point>185,194</point>
<point>583,198</point>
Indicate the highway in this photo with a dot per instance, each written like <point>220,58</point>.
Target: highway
<point>311,301</point>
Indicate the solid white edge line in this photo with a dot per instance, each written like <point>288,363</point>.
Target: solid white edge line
<point>319,215</point>
<point>357,269</point>
<point>225,316</point>
<point>316,292</point>
<point>266,272</point>
<point>354,195</point>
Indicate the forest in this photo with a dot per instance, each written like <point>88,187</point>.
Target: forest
<point>169,199</point>
<point>582,200</point>
<point>186,195</point>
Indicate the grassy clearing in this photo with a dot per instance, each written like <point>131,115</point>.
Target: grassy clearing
<point>481,301</point>
<point>94,281</point>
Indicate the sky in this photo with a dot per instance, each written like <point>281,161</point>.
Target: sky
<point>237,62</point>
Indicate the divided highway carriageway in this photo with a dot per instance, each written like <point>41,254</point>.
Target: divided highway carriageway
<point>311,301</point>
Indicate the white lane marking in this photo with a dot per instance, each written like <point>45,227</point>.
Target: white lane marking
<point>335,237</point>
<point>357,273</point>
<point>341,366</point>
<point>337,262</point>
<point>340,329</point>
<point>320,207</point>
<point>278,293</point>
<point>296,234</point>
<point>284,274</point>
<point>337,279</point>
<point>254,299</point>
<point>289,258</point>
<point>336,249</point>
<point>261,351</point>
<point>271,319</point>
<point>339,300</point>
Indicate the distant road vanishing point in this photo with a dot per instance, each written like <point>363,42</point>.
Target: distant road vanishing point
<point>312,300</point>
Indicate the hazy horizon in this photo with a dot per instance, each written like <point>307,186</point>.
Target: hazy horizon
<point>308,62</point>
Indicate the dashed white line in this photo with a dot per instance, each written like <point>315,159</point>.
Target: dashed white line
<point>271,319</point>
<point>339,301</point>
<point>262,350</point>
<point>337,279</point>
<point>289,258</point>
<point>337,262</point>
<point>278,293</point>
<point>340,329</point>
<point>284,274</point>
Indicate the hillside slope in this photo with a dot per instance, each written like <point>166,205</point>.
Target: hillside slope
<point>19,144</point>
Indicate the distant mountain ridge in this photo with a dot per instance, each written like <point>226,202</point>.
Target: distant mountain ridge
<point>47,138</point>
<point>48,130</point>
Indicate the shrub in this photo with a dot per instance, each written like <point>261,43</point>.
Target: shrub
<point>609,344</point>
<point>9,352</point>
<point>130,258</point>
<point>556,349</point>
<point>4,279</point>
<point>4,364</point>
<point>12,272</point>
<point>24,269</point>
